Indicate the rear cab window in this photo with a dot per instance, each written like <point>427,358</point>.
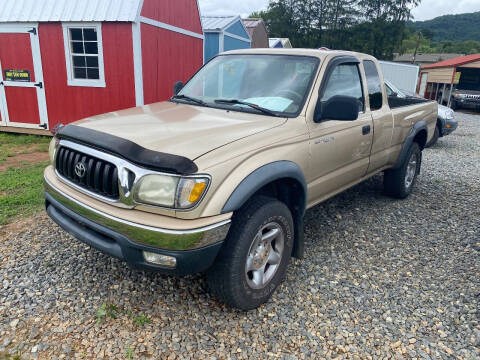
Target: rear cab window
<point>375,93</point>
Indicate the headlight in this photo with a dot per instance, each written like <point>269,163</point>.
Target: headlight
<point>190,191</point>
<point>157,190</point>
<point>170,191</point>
<point>450,115</point>
<point>51,149</point>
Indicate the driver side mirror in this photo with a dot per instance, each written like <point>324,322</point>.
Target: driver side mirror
<point>177,87</point>
<point>338,107</point>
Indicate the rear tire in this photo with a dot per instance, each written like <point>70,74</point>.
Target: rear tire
<point>436,136</point>
<point>253,261</point>
<point>399,182</point>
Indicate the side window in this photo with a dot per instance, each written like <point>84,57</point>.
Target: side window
<point>84,55</point>
<point>345,80</point>
<point>374,86</point>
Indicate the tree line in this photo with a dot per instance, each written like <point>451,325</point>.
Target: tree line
<point>424,41</point>
<point>376,27</point>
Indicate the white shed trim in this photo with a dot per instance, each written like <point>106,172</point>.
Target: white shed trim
<point>138,63</point>
<point>236,37</point>
<point>170,27</point>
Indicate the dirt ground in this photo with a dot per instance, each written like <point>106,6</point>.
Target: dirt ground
<point>20,159</point>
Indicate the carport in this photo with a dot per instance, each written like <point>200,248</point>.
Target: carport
<point>438,81</point>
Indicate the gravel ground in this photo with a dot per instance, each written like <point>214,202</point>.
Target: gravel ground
<point>381,279</point>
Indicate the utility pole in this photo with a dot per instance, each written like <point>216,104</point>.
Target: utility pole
<point>416,47</point>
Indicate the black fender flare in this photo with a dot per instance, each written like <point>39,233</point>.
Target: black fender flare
<point>441,124</point>
<point>264,175</point>
<point>419,126</point>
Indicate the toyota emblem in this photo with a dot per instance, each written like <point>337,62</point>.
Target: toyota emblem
<point>80,169</point>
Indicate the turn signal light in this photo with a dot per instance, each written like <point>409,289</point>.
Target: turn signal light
<point>197,191</point>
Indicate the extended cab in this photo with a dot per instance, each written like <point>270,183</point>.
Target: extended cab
<point>218,178</point>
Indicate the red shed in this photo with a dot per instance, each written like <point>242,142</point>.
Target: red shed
<point>64,60</point>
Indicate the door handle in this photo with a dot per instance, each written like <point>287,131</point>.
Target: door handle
<point>366,130</point>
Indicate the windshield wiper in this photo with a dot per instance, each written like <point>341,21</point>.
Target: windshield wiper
<point>189,98</point>
<point>239,102</point>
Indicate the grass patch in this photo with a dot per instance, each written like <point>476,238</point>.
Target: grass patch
<point>138,319</point>
<point>106,310</point>
<point>6,356</point>
<point>141,320</point>
<point>129,353</point>
<point>14,144</point>
<point>21,191</point>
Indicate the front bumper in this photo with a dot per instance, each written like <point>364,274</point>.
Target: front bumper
<point>473,103</point>
<point>449,126</point>
<point>127,241</point>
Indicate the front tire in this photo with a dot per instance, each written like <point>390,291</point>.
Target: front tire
<point>253,261</point>
<point>399,182</point>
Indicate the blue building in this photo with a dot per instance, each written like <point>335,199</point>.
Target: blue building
<point>279,43</point>
<point>223,33</point>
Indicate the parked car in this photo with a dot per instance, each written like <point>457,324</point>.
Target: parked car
<point>218,179</point>
<point>466,99</point>
<point>446,122</point>
<point>467,91</point>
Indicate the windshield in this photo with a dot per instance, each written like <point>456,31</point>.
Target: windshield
<point>278,84</point>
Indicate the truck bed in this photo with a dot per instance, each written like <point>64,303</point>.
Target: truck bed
<point>396,102</point>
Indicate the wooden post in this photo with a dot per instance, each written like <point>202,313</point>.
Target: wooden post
<point>443,93</point>
<point>436,92</point>
<point>450,96</point>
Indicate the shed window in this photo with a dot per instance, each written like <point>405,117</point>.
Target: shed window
<point>84,55</point>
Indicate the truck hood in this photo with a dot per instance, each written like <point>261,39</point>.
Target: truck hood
<point>180,129</point>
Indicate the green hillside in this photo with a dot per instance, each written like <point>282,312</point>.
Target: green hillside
<point>459,27</point>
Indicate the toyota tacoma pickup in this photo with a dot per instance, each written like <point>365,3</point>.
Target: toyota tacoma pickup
<point>218,178</point>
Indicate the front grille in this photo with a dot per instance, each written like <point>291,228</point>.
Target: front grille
<point>100,176</point>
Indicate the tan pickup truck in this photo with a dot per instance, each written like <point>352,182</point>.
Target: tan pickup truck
<point>218,178</point>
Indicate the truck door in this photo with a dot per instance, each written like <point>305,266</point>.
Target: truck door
<point>339,150</point>
<point>382,117</point>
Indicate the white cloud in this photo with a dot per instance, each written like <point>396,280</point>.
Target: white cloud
<point>428,9</point>
<point>232,7</point>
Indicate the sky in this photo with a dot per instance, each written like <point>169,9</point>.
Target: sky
<point>428,9</point>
